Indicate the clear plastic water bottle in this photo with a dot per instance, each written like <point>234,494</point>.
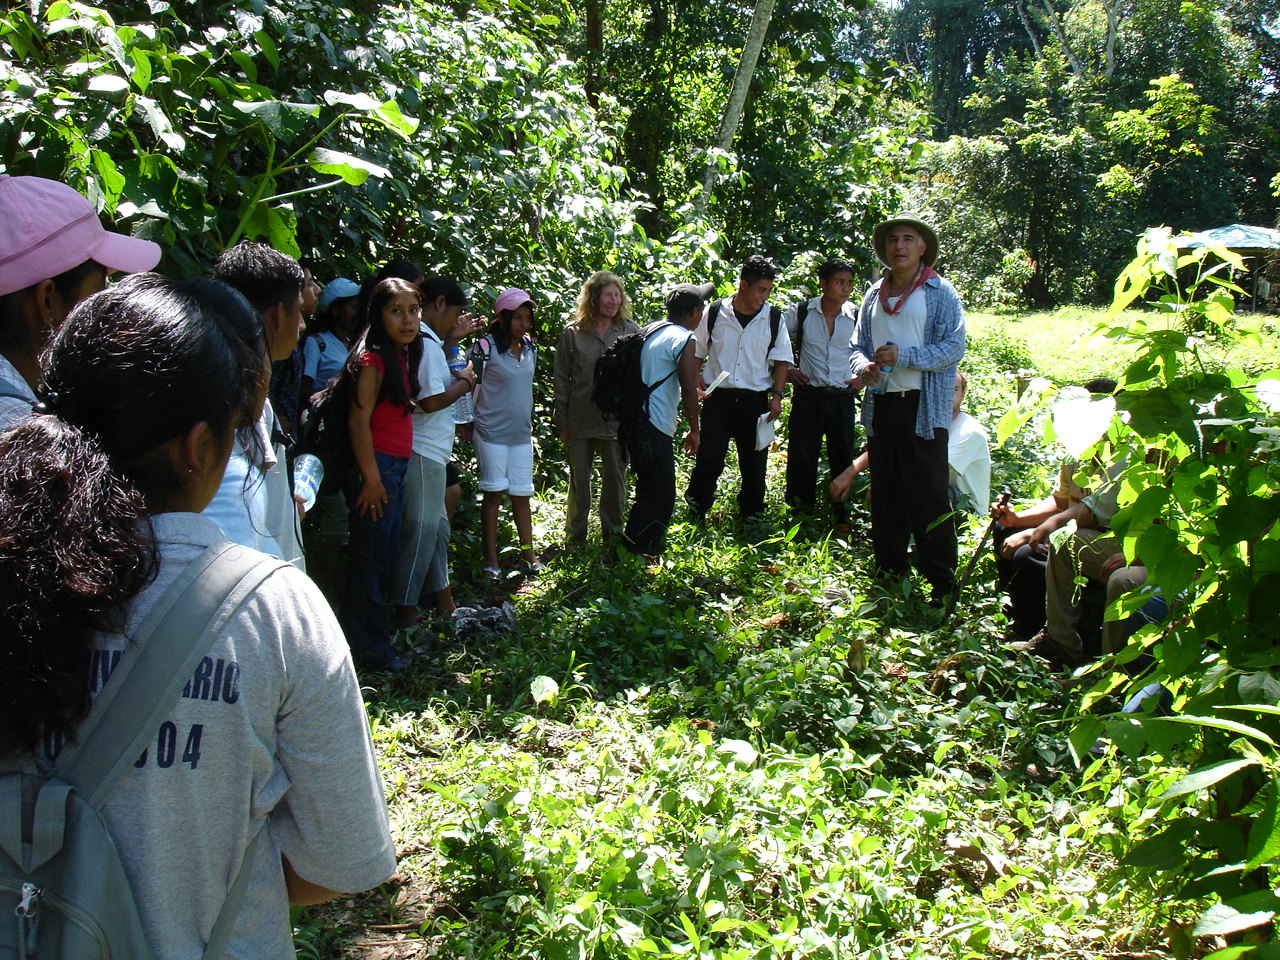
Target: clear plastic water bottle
<point>308,474</point>
<point>462,408</point>
<point>885,370</point>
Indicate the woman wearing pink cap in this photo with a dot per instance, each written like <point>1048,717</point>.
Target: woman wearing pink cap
<point>54,252</point>
<point>504,361</point>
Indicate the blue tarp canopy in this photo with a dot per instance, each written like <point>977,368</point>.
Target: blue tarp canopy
<point>1240,237</point>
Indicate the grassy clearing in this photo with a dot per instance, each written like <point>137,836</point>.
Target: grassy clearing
<point>751,751</point>
<point>1061,344</point>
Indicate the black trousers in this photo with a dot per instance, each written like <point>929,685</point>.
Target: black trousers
<point>818,413</point>
<point>653,460</point>
<point>730,415</point>
<point>909,493</point>
<point>1022,577</point>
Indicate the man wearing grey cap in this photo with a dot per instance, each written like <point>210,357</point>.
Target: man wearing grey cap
<point>668,352</point>
<point>909,339</point>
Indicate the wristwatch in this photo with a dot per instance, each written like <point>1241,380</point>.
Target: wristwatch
<point>778,393</point>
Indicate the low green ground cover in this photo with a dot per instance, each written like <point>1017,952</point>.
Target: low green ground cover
<point>750,750</point>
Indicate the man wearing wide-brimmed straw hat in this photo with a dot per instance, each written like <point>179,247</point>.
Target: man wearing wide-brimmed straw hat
<point>909,338</point>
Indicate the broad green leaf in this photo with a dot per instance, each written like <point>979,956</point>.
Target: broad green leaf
<point>108,83</point>
<point>1220,723</point>
<point>141,69</point>
<point>543,689</point>
<point>1206,777</point>
<point>351,169</point>
<point>357,101</point>
<point>1221,920</point>
<point>743,753</point>
<point>282,230</point>
<point>268,47</point>
<point>277,115</point>
<point>1264,831</point>
<point>1083,736</point>
<point>246,64</point>
<point>1232,953</point>
<point>390,115</point>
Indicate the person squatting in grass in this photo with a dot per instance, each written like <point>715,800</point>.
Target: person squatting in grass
<point>504,361</point>
<point>147,383</point>
<point>383,368</point>
<point>738,337</point>
<point>421,573</point>
<point>911,321</point>
<point>669,352</point>
<point>602,317</point>
<point>54,252</point>
<point>824,402</point>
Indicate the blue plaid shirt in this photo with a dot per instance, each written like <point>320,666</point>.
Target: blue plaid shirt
<point>937,359</point>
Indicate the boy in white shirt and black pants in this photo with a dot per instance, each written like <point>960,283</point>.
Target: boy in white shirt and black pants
<point>742,335</point>
<point>825,402</point>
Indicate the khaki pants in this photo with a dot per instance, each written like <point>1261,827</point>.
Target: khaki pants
<point>613,486</point>
<point>1085,553</point>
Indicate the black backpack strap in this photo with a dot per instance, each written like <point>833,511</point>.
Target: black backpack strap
<point>649,388</point>
<point>712,313</point>
<point>775,321</point>
<point>802,313</point>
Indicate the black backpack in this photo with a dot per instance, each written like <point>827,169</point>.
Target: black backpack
<point>324,430</point>
<point>620,391</point>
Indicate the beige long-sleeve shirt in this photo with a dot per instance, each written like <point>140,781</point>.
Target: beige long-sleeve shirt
<point>575,370</point>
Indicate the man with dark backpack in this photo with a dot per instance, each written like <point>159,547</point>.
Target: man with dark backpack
<point>740,337</point>
<point>825,402</point>
<point>667,354</point>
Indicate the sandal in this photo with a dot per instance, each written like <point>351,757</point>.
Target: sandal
<point>494,574</point>
<point>532,567</point>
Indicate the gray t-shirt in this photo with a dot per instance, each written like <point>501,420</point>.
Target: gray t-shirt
<point>659,357</point>
<point>504,395</point>
<point>271,727</point>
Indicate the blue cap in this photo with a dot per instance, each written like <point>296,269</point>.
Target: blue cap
<point>338,289</point>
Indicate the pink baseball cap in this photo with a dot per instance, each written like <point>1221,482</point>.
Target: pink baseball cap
<point>50,228</point>
<point>511,298</point>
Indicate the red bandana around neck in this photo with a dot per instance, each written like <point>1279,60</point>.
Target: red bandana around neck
<point>925,273</point>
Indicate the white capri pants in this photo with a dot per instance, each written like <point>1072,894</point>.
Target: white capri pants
<point>505,468</point>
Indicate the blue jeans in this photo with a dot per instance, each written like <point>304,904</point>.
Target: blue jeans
<point>372,548</point>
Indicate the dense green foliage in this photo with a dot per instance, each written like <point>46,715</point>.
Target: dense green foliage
<point>1198,507</point>
<point>750,750</point>
<point>1064,129</point>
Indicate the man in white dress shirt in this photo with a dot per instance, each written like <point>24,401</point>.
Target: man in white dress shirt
<point>742,336</point>
<point>825,401</point>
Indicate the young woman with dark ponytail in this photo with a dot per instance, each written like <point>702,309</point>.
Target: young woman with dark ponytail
<point>382,374</point>
<point>100,493</point>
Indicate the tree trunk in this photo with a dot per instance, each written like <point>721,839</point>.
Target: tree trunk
<point>1056,24</point>
<point>738,95</point>
<point>1026,25</point>
<point>1113,28</point>
<point>595,50</point>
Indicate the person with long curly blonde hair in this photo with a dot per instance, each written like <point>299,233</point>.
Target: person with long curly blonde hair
<point>603,316</point>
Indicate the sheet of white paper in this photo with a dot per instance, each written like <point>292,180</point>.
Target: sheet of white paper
<point>764,432</point>
<point>724,375</point>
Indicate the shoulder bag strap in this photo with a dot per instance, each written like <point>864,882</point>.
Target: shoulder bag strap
<point>802,314</point>
<point>178,632</point>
